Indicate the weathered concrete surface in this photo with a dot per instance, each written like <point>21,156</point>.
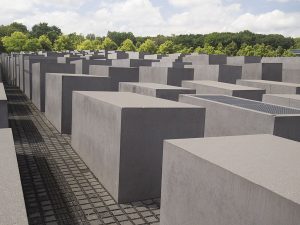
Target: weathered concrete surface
<point>284,100</point>
<point>132,62</point>
<point>222,73</point>
<point>82,65</point>
<point>120,137</point>
<point>272,87</point>
<point>204,59</point>
<point>163,75</point>
<point>59,88</point>
<point>231,180</point>
<point>39,71</point>
<point>116,74</point>
<point>155,90</point>
<point>229,116</point>
<point>240,60</point>
<point>262,71</point>
<point>213,87</point>
<point>3,108</point>
<point>12,206</point>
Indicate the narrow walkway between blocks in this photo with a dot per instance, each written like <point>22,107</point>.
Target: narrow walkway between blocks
<point>58,187</point>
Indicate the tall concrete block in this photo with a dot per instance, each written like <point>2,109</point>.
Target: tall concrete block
<point>155,90</point>
<point>272,87</point>
<point>116,74</point>
<point>231,180</point>
<point>67,60</point>
<point>240,60</point>
<point>204,59</point>
<point>214,87</point>
<point>229,116</point>
<point>117,55</point>
<point>120,137</point>
<point>284,100</point>
<point>163,75</point>
<point>262,71</point>
<point>222,73</point>
<point>59,88</point>
<point>12,206</point>
<point>132,62</point>
<point>3,108</point>
<point>82,65</point>
<point>39,71</point>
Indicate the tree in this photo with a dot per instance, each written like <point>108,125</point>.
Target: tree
<point>109,44</point>
<point>89,45</point>
<point>220,49</point>
<point>297,43</point>
<point>182,49</point>
<point>62,43</point>
<point>11,28</point>
<point>127,45</point>
<point>53,32</point>
<point>15,42</point>
<point>75,39</point>
<point>288,53</point>
<point>120,37</point>
<point>166,48</point>
<point>32,44</point>
<point>207,49</point>
<point>148,46</point>
<point>45,43</point>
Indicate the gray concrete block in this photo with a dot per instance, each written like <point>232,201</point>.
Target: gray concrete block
<point>117,55</point>
<point>155,90</point>
<point>3,108</point>
<point>204,59</point>
<point>120,137</point>
<point>228,116</point>
<point>66,60</point>
<point>12,206</point>
<point>170,64</point>
<point>163,75</point>
<point>58,101</point>
<point>272,87</point>
<point>116,74</point>
<point>240,60</point>
<point>284,100</point>
<point>39,71</point>
<point>132,62</point>
<point>214,87</point>
<point>221,73</point>
<point>82,65</point>
<point>262,71</point>
<point>242,180</point>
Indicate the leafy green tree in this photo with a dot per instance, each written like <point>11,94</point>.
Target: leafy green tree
<point>182,49</point>
<point>15,42</point>
<point>189,40</point>
<point>120,37</point>
<point>89,45</point>
<point>166,48</point>
<point>127,45</point>
<point>288,53</point>
<point>53,32</point>
<point>11,28</point>
<point>62,43</point>
<point>148,46</point>
<point>109,44</point>
<point>231,49</point>
<point>220,49</point>
<point>33,45</point>
<point>45,43</point>
<point>91,36</point>
<point>297,43</point>
<point>207,49</point>
<point>75,39</point>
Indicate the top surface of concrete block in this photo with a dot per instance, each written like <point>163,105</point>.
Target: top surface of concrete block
<point>72,75</point>
<point>156,86</point>
<point>273,83</point>
<point>2,93</point>
<point>221,85</point>
<point>249,157</point>
<point>132,100</point>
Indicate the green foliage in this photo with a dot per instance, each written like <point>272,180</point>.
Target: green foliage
<point>89,45</point>
<point>127,45</point>
<point>166,48</point>
<point>33,45</point>
<point>189,40</point>
<point>120,37</point>
<point>45,43</point>
<point>148,46</point>
<point>15,42</point>
<point>62,43</point>
<point>109,44</point>
<point>182,49</point>
<point>231,49</point>
<point>207,49</point>
<point>297,43</point>
<point>75,39</point>
<point>13,27</point>
<point>288,53</point>
<point>53,32</point>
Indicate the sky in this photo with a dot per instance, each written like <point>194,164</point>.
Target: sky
<point>152,17</point>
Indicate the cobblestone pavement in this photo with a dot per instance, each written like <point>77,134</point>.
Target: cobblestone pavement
<point>58,187</point>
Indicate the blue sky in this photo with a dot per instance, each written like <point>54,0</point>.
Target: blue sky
<point>152,17</point>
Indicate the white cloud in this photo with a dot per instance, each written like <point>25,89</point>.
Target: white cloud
<point>143,18</point>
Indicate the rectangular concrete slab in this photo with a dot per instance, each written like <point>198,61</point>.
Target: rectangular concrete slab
<point>3,108</point>
<point>132,62</point>
<point>272,87</point>
<point>58,98</point>
<point>284,100</point>
<point>214,87</point>
<point>204,59</point>
<point>120,137</point>
<point>228,116</point>
<point>155,90</point>
<point>240,60</point>
<point>82,65</point>
<point>262,71</point>
<point>12,206</point>
<point>243,180</point>
<point>164,75</point>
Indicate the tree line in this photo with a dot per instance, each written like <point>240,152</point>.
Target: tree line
<point>16,37</point>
